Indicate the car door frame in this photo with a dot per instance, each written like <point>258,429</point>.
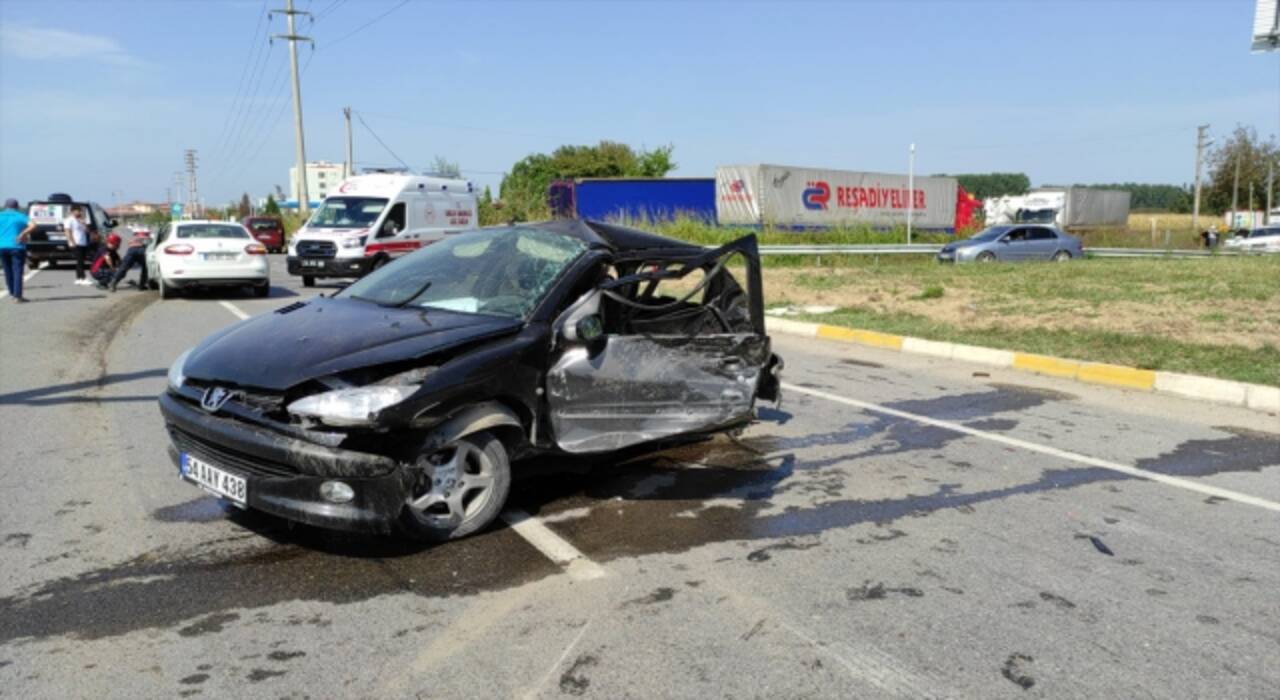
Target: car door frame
<point>1010,250</point>
<point>1042,248</point>
<point>621,389</point>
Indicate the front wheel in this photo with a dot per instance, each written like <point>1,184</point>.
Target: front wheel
<point>34,263</point>
<point>459,489</point>
<point>986,257</point>
<point>1061,256</point>
<point>308,281</point>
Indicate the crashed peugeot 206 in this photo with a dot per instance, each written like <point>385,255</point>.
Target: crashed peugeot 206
<point>398,404</point>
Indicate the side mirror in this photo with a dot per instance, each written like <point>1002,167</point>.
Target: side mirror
<point>589,328</point>
<point>112,223</point>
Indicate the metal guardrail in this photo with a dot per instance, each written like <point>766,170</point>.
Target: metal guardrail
<point>929,249</point>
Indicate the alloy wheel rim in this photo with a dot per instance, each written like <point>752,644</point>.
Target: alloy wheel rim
<point>460,484</point>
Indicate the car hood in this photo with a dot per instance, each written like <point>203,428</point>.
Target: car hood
<point>304,341</point>
<point>967,243</point>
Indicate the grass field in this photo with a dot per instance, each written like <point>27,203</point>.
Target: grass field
<point>1170,231</point>
<point>1218,317</point>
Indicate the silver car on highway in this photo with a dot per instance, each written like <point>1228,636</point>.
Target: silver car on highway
<point>1014,242</point>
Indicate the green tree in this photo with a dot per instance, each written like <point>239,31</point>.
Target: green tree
<point>1244,148</point>
<point>443,167</point>
<point>271,208</point>
<point>523,191</point>
<point>984,185</point>
<point>246,209</point>
<point>490,212</point>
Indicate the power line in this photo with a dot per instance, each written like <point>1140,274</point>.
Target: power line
<point>379,140</point>
<point>272,124</point>
<point>364,26</point>
<point>254,48</point>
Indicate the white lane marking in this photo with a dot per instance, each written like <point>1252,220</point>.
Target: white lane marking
<point>533,692</point>
<point>554,547</point>
<point>26,277</point>
<point>234,310</point>
<point>1165,479</point>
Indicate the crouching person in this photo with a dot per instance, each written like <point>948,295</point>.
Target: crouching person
<point>105,265</point>
<point>135,254</point>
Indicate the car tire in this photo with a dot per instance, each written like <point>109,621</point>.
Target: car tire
<point>1061,256</point>
<point>986,256</point>
<point>262,291</point>
<point>436,510</point>
<point>167,291</point>
<point>308,281</point>
<point>35,263</point>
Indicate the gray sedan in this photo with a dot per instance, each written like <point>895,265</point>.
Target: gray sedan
<point>1014,242</point>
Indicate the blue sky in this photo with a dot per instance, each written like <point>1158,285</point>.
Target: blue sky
<point>100,98</point>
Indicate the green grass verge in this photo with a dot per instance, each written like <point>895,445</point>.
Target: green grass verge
<point>1260,366</point>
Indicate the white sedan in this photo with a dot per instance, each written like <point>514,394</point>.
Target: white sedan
<point>1260,240</point>
<point>206,254</point>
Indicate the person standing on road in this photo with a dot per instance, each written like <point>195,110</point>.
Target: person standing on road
<point>14,229</point>
<point>136,254</point>
<point>78,238</point>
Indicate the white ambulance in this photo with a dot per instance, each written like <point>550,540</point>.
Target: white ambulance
<point>372,218</point>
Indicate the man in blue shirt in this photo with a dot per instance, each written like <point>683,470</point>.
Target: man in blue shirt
<point>14,229</point>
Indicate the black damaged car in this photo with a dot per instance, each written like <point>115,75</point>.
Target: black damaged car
<point>400,402</point>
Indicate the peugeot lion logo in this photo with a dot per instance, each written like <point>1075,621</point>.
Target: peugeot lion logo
<point>215,397</point>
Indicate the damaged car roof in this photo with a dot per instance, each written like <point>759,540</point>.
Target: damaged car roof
<point>617,238</point>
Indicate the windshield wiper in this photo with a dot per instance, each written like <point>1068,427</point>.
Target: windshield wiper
<point>426,285</point>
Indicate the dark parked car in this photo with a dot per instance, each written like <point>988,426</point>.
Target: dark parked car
<point>401,401</point>
<point>1015,242</point>
<point>49,242</point>
<point>267,230</point>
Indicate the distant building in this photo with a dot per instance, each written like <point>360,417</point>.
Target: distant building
<point>135,211</point>
<point>322,178</point>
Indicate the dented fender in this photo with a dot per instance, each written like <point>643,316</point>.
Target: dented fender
<point>472,419</point>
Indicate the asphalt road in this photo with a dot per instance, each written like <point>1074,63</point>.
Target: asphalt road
<point>900,526</point>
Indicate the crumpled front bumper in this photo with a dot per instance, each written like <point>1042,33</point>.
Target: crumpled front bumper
<point>284,474</point>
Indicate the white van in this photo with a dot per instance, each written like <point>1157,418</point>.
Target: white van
<point>370,219</point>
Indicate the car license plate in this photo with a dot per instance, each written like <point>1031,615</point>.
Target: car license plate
<point>56,237</point>
<point>219,256</point>
<point>313,263</point>
<point>215,480</point>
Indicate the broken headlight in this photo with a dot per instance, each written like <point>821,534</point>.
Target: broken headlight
<point>176,377</point>
<point>351,407</point>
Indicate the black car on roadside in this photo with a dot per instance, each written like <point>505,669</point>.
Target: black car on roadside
<point>49,242</point>
<point>400,402</point>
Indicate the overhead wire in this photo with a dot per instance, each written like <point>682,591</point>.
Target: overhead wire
<point>254,50</point>
<point>366,25</point>
<point>377,138</point>
<point>271,124</point>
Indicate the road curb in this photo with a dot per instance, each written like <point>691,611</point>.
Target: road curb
<point>1258,397</point>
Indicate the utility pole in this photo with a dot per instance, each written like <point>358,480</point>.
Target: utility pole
<point>1270,186</point>
<point>1201,144</point>
<point>1235,193</point>
<point>350,168</point>
<point>911,188</point>
<point>193,192</point>
<point>304,200</point>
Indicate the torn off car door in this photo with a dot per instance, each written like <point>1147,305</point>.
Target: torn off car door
<point>632,368</point>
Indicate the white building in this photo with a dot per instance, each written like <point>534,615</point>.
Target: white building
<point>322,177</point>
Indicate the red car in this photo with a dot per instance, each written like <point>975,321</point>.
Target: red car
<point>267,230</point>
